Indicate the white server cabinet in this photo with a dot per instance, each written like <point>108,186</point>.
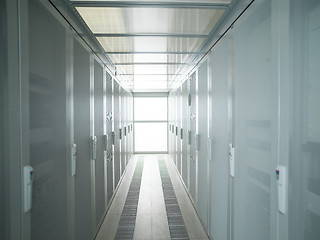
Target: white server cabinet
<point>108,151</point>
<point>99,162</point>
<point>202,142</point>
<point>221,112</point>
<point>116,134</point>
<point>256,136</point>
<point>192,135</point>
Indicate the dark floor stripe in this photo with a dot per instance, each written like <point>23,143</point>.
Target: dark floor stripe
<point>129,213</point>
<point>176,224</point>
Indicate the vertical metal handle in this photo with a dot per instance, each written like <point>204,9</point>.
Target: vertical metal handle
<point>231,159</point>
<point>113,138</point>
<point>106,142</point>
<point>73,159</point>
<point>93,147</point>
<point>197,143</point>
<point>209,149</point>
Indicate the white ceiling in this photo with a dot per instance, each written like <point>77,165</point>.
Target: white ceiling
<point>153,44</point>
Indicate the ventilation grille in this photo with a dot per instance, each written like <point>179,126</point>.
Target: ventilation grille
<point>129,213</point>
<point>176,224</point>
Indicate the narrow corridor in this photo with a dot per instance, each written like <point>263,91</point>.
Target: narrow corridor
<point>158,119</point>
<point>152,215</point>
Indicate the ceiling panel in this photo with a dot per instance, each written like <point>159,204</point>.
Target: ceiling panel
<point>116,44</point>
<point>156,58</point>
<point>128,69</point>
<point>117,58</point>
<point>150,46</point>
<point>150,69</point>
<point>150,78</point>
<point>103,20</point>
<point>145,85</point>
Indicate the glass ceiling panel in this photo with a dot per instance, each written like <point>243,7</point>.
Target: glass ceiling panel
<point>150,20</point>
<point>142,70</point>
<point>116,44</point>
<point>127,77</point>
<point>150,77</point>
<point>127,69</point>
<point>150,44</point>
<point>155,58</point>
<point>184,44</point>
<point>143,85</point>
<point>159,58</point>
<point>121,58</point>
<point>174,69</point>
<point>150,69</point>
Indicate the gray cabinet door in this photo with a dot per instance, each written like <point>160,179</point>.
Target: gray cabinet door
<point>220,140</point>
<point>83,177</point>
<point>99,132</point>
<point>122,127</point>
<point>174,122</point>
<point>192,135</point>
<point>108,153</point>
<point>256,137</point>
<point>203,135</point>
<point>185,157</point>
<point>116,119</point>
<point>48,130</point>
<point>178,128</point>
<point>303,90</point>
<point>170,119</point>
<point>126,113</point>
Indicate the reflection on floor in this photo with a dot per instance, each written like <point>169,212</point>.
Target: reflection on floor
<point>154,209</point>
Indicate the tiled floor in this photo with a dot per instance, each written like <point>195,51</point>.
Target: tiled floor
<point>151,221</point>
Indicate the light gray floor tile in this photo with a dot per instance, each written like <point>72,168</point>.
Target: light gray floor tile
<point>109,227</point>
<point>160,229</point>
<point>143,227</point>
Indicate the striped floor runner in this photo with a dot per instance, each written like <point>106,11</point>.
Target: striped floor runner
<point>127,221</point>
<point>176,223</point>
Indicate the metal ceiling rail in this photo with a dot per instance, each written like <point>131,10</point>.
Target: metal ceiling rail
<point>150,81</point>
<point>149,63</point>
<point>154,74</point>
<point>149,4</point>
<point>151,35</point>
<point>185,53</point>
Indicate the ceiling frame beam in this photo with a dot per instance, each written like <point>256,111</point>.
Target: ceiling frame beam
<point>150,4</point>
<point>149,63</point>
<point>154,74</point>
<point>107,35</point>
<point>176,53</point>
